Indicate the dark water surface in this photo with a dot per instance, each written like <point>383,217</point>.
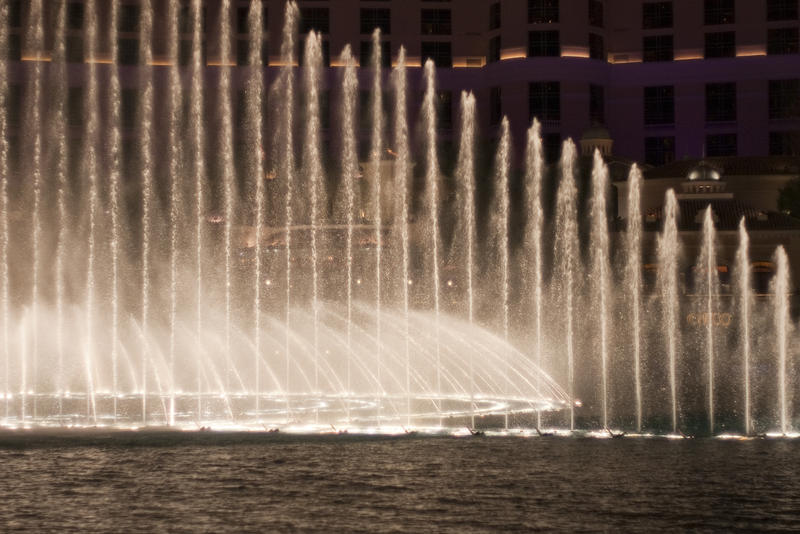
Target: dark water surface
<point>209,482</point>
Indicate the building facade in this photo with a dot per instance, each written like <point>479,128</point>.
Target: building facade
<point>670,79</point>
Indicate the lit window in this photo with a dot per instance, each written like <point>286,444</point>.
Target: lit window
<point>719,12</point>
<point>659,105</point>
<point>721,145</point>
<point>435,22</point>
<point>544,43</point>
<point>544,101</point>
<point>542,11</point>
<point>657,48</point>
<point>659,150</point>
<point>720,44</point>
<point>720,102</point>
<point>782,41</point>
<point>376,18</point>
<point>784,99</point>
<point>440,52</point>
<point>656,15</point>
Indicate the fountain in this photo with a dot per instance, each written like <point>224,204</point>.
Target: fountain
<point>195,284</point>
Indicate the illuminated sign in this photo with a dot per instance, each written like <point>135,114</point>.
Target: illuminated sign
<point>702,319</point>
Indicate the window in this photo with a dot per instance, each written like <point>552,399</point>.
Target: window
<point>659,105</point>
<point>365,59</point>
<point>74,16</point>
<point>241,19</point>
<point>440,52</point>
<point>784,143</point>
<point>542,11</point>
<point>14,104</point>
<point>14,47</point>
<point>128,98</point>
<point>721,145</point>
<point>494,16</point>
<point>720,102</point>
<point>494,49</point>
<point>719,12</point>
<point>544,101</point>
<point>551,146</point>
<point>659,150</point>
<point>781,9</point>
<point>314,18</point>
<point>185,19</point>
<point>596,13</point>
<point>128,18</point>
<point>15,14</point>
<point>657,48</point>
<point>597,104</point>
<point>242,52</point>
<point>128,51</point>
<point>545,43</point>
<point>597,49</point>
<point>720,44</point>
<point>75,106</point>
<point>784,99</point>
<point>782,41</point>
<point>326,53</point>
<point>185,52</point>
<point>444,110</point>
<point>365,111</point>
<point>73,48</point>
<point>376,18</point>
<point>435,22</point>
<point>495,106</point>
<point>656,15</point>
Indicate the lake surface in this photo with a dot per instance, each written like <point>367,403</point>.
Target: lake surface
<point>181,482</point>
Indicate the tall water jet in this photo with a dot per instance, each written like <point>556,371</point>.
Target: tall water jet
<point>534,168</point>
<point>90,171</point>
<point>58,137</point>
<point>432,204</point>
<point>349,176</point>
<point>227,170</point>
<point>708,266</point>
<point>781,318</point>
<point>312,169</point>
<point>175,154</point>
<point>567,261</point>
<point>4,286</point>
<point>34,43</point>
<point>743,297</point>
<point>633,277</point>
<point>144,128</point>
<point>467,231</point>
<point>668,250</point>
<point>114,149</point>
<point>401,207</point>
<point>375,156</point>
<point>500,230</point>
<point>291,14</point>
<point>255,105</point>
<point>601,269</point>
<point>198,140</point>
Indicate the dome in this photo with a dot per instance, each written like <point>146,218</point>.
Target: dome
<point>704,171</point>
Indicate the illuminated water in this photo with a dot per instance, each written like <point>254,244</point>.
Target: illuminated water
<point>230,249</point>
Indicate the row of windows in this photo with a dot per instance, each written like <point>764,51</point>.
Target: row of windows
<point>437,21</point>
<point>544,102</point>
<point>656,47</point>
<point>660,150</point>
<point>721,44</point>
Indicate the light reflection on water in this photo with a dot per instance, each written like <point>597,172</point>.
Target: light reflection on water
<point>215,481</point>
